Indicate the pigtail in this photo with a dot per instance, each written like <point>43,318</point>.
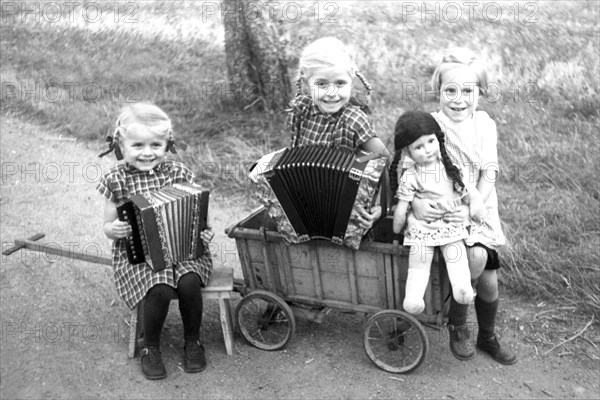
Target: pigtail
<point>116,135</point>
<point>364,106</point>
<point>451,169</point>
<point>298,87</point>
<point>367,86</point>
<point>113,143</point>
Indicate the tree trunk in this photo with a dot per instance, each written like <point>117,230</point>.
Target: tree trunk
<point>255,57</point>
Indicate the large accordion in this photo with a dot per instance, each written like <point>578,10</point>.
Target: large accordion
<point>166,225</point>
<point>315,192</point>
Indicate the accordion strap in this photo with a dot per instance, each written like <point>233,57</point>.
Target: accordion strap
<point>386,192</point>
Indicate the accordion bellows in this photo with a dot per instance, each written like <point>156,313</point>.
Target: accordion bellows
<point>314,192</point>
<point>166,225</point>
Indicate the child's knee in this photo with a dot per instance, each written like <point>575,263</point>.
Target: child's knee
<point>160,292</point>
<point>477,259</point>
<point>487,286</point>
<point>189,284</point>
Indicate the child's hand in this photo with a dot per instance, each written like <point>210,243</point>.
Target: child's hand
<point>366,219</point>
<point>445,205</point>
<point>460,214</point>
<point>120,229</point>
<point>477,210</point>
<point>426,210</point>
<point>207,235</point>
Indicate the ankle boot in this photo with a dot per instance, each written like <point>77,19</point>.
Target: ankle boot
<point>487,340</point>
<point>460,337</point>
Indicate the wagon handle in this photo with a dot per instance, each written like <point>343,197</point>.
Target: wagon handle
<point>20,244</point>
<point>30,243</point>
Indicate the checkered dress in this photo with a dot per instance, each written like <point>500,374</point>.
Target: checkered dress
<point>134,281</point>
<point>472,145</point>
<point>350,127</point>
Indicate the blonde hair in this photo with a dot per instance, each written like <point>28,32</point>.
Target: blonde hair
<point>460,57</point>
<point>324,53</point>
<point>145,114</point>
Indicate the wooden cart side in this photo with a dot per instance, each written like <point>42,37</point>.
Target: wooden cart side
<point>353,280</point>
<point>319,273</point>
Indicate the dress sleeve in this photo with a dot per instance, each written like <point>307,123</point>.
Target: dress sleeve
<point>106,187</point>
<point>488,134</point>
<point>184,174</point>
<point>298,107</point>
<point>407,186</point>
<point>291,123</point>
<point>361,127</point>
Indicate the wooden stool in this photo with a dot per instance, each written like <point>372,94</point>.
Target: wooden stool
<point>219,287</point>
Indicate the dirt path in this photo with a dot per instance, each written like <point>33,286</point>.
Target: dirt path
<point>64,331</point>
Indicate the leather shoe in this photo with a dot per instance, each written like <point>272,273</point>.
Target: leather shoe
<point>492,347</point>
<point>152,365</point>
<point>460,343</point>
<point>194,358</point>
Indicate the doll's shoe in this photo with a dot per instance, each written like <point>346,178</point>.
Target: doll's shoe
<point>492,347</point>
<point>460,342</point>
<point>194,358</point>
<point>152,365</point>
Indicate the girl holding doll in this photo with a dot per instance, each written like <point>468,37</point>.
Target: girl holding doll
<point>471,143</point>
<point>432,176</point>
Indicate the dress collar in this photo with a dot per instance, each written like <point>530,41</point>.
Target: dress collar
<point>133,170</point>
<point>330,117</point>
<point>441,117</point>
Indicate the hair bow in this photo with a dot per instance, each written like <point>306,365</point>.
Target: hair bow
<point>113,145</point>
<point>171,145</point>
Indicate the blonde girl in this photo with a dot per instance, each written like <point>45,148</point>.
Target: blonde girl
<point>324,112</point>
<point>142,138</point>
<point>471,139</point>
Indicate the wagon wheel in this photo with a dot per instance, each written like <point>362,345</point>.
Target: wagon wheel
<point>395,341</point>
<point>265,320</point>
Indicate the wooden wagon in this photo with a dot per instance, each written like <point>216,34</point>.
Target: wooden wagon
<point>282,282</point>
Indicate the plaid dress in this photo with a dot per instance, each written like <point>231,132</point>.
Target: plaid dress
<point>472,146</point>
<point>133,281</point>
<point>350,127</point>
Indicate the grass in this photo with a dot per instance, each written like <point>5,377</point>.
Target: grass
<point>546,104</point>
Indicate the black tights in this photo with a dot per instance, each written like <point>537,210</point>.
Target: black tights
<point>156,308</point>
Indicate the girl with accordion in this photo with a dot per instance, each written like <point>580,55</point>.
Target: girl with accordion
<point>142,139</point>
<point>324,112</point>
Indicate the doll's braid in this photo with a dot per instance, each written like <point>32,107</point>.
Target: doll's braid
<point>451,169</point>
<point>394,172</point>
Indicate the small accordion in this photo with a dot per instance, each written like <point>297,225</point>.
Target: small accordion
<point>166,225</point>
<point>314,192</point>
